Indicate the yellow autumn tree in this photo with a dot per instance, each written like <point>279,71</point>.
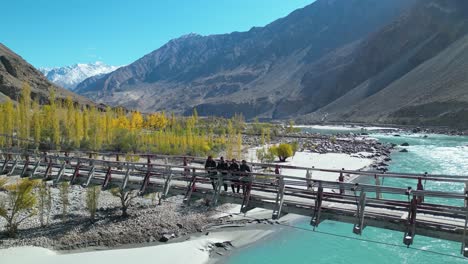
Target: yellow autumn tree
<point>24,112</point>
<point>136,121</point>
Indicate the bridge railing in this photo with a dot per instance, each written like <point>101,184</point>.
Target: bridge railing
<point>304,195</point>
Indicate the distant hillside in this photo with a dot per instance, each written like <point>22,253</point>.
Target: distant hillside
<point>70,76</point>
<point>386,61</point>
<point>419,79</point>
<point>252,72</point>
<point>14,72</point>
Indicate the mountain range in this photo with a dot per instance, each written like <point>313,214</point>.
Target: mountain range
<point>372,61</point>
<point>70,76</point>
<point>333,60</point>
<point>15,72</point>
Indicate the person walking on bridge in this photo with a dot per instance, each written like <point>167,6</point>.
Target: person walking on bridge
<point>223,168</point>
<point>210,167</point>
<point>234,168</point>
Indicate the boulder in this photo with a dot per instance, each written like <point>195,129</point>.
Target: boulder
<point>165,238</point>
<point>406,144</point>
<point>404,150</point>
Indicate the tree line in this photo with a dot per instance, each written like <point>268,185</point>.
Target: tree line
<point>62,124</point>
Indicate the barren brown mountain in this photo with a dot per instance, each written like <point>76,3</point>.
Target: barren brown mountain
<point>398,61</point>
<point>15,72</point>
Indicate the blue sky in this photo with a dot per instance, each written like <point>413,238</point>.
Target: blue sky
<point>63,32</point>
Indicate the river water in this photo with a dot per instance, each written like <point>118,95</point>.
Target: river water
<point>335,242</point>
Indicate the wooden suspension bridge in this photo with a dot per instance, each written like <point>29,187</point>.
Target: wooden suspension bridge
<point>363,205</point>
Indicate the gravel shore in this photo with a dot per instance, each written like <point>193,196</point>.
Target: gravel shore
<point>147,222</point>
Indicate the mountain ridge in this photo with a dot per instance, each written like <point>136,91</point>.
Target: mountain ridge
<point>329,61</point>
<point>226,73</point>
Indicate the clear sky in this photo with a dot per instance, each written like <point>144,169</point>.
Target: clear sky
<point>51,33</point>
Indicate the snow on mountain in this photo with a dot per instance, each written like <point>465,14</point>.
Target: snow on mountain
<point>70,76</point>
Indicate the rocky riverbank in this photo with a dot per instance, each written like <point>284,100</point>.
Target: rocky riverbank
<point>351,144</point>
<point>147,223</point>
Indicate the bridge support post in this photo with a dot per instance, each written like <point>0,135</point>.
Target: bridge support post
<point>48,170</point>
<point>279,200</point>
<point>411,224</point>
<point>146,180</point>
<point>36,167</point>
<point>107,179</point>
<point>315,221</point>
<point>125,180</point>
<point>60,173</point>
<point>167,182</point>
<point>378,194</point>
<point>25,168</point>
<point>13,167</point>
<point>309,179</point>
<point>76,172</point>
<point>5,164</point>
<point>190,187</point>
<point>464,248</point>
<point>245,203</point>
<point>357,229</point>
<point>420,187</point>
<point>217,191</point>
<point>90,175</point>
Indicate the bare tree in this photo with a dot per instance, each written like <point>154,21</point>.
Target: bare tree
<point>126,197</point>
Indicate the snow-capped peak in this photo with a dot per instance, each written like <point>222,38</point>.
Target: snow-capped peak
<point>70,76</point>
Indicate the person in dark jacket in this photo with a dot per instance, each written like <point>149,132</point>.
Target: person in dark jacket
<point>234,168</point>
<point>210,167</point>
<point>223,168</point>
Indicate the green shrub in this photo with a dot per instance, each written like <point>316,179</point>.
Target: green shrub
<point>283,151</point>
<point>18,205</point>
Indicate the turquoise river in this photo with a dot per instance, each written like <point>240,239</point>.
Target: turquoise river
<point>335,243</point>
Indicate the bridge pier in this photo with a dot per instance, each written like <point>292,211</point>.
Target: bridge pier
<point>411,223</point>
<point>378,194</point>
<point>277,212</point>
<point>315,221</point>
<point>361,205</point>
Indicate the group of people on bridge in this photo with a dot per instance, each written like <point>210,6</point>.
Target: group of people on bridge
<point>224,167</point>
